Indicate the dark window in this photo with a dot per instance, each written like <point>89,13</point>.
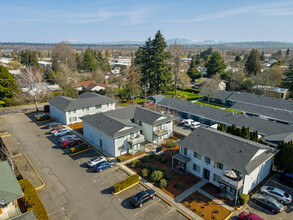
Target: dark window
<point>207,160</point>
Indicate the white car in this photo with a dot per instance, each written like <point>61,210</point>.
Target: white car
<point>188,122</point>
<point>195,125</point>
<point>61,132</point>
<point>72,136</point>
<point>94,161</point>
<point>39,115</point>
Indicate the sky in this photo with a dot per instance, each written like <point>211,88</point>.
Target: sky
<point>93,21</point>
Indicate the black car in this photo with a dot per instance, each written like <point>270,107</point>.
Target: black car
<point>142,197</point>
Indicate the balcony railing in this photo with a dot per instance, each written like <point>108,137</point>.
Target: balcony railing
<point>136,140</point>
<point>160,132</point>
<point>235,183</point>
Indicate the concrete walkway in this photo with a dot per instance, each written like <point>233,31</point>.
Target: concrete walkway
<point>191,190</point>
<point>216,200</point>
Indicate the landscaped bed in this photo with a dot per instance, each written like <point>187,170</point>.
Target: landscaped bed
<point>205,207</point>
<point>176,183</point>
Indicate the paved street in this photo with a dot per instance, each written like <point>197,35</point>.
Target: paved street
<point>72,190</point>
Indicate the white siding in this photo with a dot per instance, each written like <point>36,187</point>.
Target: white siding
<point>122,141</point>
<point>57,114</point>
<point>147,131</point>
<point>95,136</point>
<point>253,179</point>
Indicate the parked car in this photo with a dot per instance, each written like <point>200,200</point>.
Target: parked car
<point>248,216</point>
<point>267,202</point>
<point>39,115</point>
<point>277,193</point>
<point>94,161</point>
<point>52,125</point>
<point>53,130</point>
<point>103,166</point>
<point>195,125</point>
<point>142,197</point>
<point>188,122</point>
<point>61,132</point>
<point>69,136</point>
<point>70,142</point>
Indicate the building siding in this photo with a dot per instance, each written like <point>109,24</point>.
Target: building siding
<point>57,114</point>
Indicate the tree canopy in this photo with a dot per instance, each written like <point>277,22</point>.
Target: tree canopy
<point>63,54</point>
<point>216,64</point>
<point>88,61</point>
<point>252,65</point>
<point>7,84</point>
<point>28,58</point>
<point>151,61</point>
<point>283,159</point>
<point>288,80</point>
<point>193,72</point>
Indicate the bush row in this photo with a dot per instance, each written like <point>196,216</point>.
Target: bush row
<point>32,200</point>
<point>43,118</point>
<point>79,148</point>
<point>125,183</point>
<point>243,198</point>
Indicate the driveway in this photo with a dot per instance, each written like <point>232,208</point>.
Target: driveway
<point>72,190</point>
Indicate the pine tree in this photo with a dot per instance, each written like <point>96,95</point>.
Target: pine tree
<point>192,72</point>
<point>198,59</point>
<point>29,58</point>
<point>262,56</point>
<point>88,63</point>
<point>238,58</point>
<point>288,80</point>
<point>216,64</point>
<point>7,84</point>
<point>252,65</point>
<point>288,52</point>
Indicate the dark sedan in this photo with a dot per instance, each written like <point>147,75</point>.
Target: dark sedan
<point>267,202</point>
<point>142,197</point>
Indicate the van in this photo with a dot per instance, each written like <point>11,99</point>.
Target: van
<point>195,125</point>
<point>188,122</point>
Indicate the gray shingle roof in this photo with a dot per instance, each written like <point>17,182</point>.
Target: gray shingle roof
<point>276,114</point>
<point>112,122</point>
<point>86,100</point>
<point>159,96</point>
<point>221,94</point>
<point>264,127</point>
<point>232,151</point>
<point>277,138</point>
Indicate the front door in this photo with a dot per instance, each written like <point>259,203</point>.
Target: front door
<point>206,174</point>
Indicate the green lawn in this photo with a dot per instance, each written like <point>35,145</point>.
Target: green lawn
<point>218,106</point>
<point>189,96</point>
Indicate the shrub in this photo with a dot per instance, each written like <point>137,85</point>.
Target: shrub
<point>158,157</point>
<point>145,172</point>
<point>125,183</point>
<point>154,168</point>
<point>163,159</point>
<point>243,198</point>
<point>136,164</point>
<point>146,165</point>
<point>179,185</point>
<point>79,148</point>
<point>152,156</point>
<point>171,143</point>
<point>163,170</point>
<point>43,118</point>
<point>146,159</point>
<point>169,176</point>
<point>121,159</point>
<point>157,175</point>
<point>46,108</point>
<point>32,199</point>
<point>163,183</point>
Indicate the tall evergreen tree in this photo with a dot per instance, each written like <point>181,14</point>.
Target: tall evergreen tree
<point>288,80</point>
<point>262,56</point>
<point>288,52</point>
<point>198,59</point>
<point>252,65</point>
<point>7,84</point>
<point>216,64</point>
<point>192,72</point>
<point>88,61</point>
<point>29,58</point>
<point>151,60</point>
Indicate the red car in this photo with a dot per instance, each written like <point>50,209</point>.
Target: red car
<point>250,216</point>
<point>70,142</point>
<point>52,131</point>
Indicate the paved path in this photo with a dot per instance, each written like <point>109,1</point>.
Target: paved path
<point>216,200</point>
<point>191,190</point>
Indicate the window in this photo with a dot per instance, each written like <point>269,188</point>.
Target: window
<point>197,155</point>
<point>85,109</point>
<point>72,111</point>
<point>73,119</point>
<point>207,160</point>
<point>98,106</point>
<point>216,177</point>
<point>120,137</point>
<point>219,165</point>
<point>196,168</point>
<point>183,150</point>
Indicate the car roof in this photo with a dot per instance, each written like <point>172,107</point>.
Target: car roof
<point>140,194</point>
<point>253,216</point>
<point>150,191</point>
<point>271,199</point>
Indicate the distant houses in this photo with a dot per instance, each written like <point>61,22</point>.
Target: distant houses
<point>90,86</point>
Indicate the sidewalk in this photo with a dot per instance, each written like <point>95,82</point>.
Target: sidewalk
<point>191,190</point>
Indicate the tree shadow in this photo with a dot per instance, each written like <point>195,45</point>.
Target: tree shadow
<point>107,190</point>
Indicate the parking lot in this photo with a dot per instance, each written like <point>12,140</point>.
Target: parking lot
<point>72,190</point>
<point>264,213</point>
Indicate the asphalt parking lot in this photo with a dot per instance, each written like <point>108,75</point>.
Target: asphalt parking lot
<point>264,213</point>
<point>72,190</point>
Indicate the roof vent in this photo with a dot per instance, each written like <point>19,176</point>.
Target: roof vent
<point>240,151</point>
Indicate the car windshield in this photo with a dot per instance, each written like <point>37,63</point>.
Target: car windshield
<point>286,195</point>
<point>138,196</point>
<point>270,188</point>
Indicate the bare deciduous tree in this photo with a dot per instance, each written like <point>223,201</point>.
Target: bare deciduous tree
<point>275,75</point>
<point>211,87</point>
<point>183,81</point>
<point>62,54</point>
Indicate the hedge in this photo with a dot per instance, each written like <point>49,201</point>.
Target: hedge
<point>43,118</point>
<point>46,108</point>
<point>32,200</point>
<point>125,183</point>
<point>163,183</point>
<point>157,175</point>
<point>136,164</point>
<point>243,198</point>
<point>79,148</point>
<point>121,159</point>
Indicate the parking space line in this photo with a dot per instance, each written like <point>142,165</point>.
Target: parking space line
<point>287,187</point>
<point>147,207</point>
<point>112,179</point>
<point>167,213</point>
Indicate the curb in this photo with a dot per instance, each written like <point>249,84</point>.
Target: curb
<point>124,189</point>
<point>229,216</point>
<point>239,208</point>
<point>43,183</point>
<point>79,152</point>
<point>182,213</point>
<point>7,135</point>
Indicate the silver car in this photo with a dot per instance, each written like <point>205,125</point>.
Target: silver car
<point>277,193</point>
<point>69,136</point>
<point>94,161</point>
